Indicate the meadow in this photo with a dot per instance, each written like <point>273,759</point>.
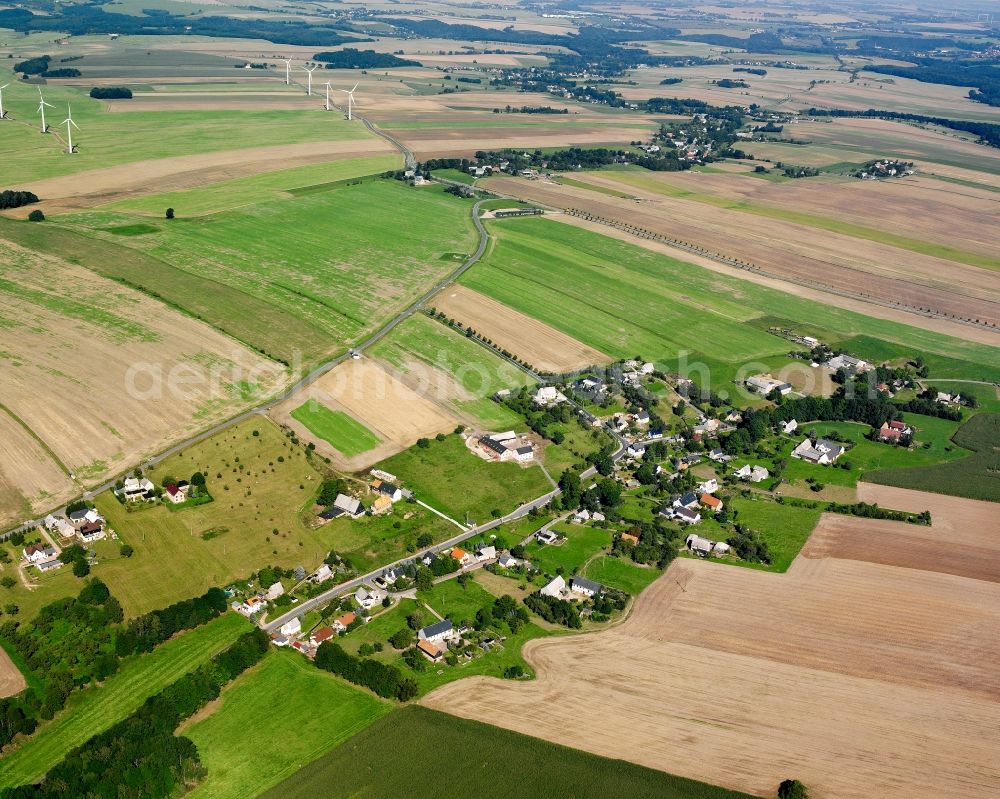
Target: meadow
<point>976,476</point>
<point>261,485</point>
<point>296,278</point>
<point>624,300</point>
<point>214,198</point>
<point>305,711</point>
<point>423,348</point>
<point>338,429</point>
<point>622,574</point>
<point>106,139</point>
<point>785,528</point>
<point>582,543</point>
<point>426,741</point>
<point>94,709</point>
<point>447,476</point>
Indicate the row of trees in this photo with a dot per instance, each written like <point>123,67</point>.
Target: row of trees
<point>145,632</point>
<point>111,93</point>
<point>385,680</point>
<point>141,756</point>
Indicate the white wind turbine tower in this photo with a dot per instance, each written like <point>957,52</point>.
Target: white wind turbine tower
<point>328,95</point>
<point>288,71</point>
<point>2,112</point>
<point>70,124</point>
<point>350,101</point>
<point>41,110</point>
<point>309,90</point>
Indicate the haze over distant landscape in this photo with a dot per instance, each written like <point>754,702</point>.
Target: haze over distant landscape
<point>516,399</point>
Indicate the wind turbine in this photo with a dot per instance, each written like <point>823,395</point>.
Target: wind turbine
<point>328,95</point>
<point>70,124</point>
<point>288,71</point>
<point>2,112</point>
<point>350,102</point>
<point>41,110</point>
<point>309,90</point>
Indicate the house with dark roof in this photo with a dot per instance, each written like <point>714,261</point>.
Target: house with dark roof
<point>688,500</point>
<point>439,631</point>
<point>588,588</point>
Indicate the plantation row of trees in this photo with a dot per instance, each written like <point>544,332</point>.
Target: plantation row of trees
<point>141,756</point>
<point>10,198</point>
<point>385,680</point>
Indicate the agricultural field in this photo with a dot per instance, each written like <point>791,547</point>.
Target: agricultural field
<point>376,398</point>
<point>307,710</point>
<point>447,367</point>
<point>662,307</point>
<point>307,299</point>
<point>261,485</point>
<point>94,709</point>
<point>543,346</point>
<point>97,376</point>
<point>336,428</point>
<point>974,475</point>
<point>424,739</point>
<point>450,478</point>
<point>864,644</point>
<point>793,251</point>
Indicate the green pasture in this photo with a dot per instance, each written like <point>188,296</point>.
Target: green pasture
<point>785,528</point>
<point>341,431</point>
<point>582,543</point>
<point>447,476</point>
<point>420,345</point>
<point>305,711</point>
<point>621,574</point>
<point>95,709</point>
<point>382,761</point>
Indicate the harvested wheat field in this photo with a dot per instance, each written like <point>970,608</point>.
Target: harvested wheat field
<point>544,347</point>
<point>861,679</point>
<point>11,680</point>
<point>105,375</point>
<point>99,186</point>
<point>33,480</point>
<point>368,392</point>
<point>821,257</point>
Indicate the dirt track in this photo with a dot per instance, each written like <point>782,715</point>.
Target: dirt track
<point>861,679</point>
<point>544,347</point>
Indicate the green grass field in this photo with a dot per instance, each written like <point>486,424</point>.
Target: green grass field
<point>260,485</point>
<point>217,197</point>
<point>976,476</point>
<point>387,759</point>
<point>375,540</point>
<point>420,345</point>
<point>305,711</point>
<point>93,710</point>
<point>624,300</point>
<point>582,542</point>
<point>785,528</point>
<point>107,139</point>
<point>448,477</point>
<point>338,429</point>
<point>621,574</point>
<point>267,273</point>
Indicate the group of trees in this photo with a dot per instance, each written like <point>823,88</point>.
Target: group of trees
<point>748,545</point>
<point>33,66</point>
<point>385,680</point>
<point>657,544</point>
<point>350,58</point>
<point>145,632</point>
<point>555,610</point>
<point>111,93</point>
<point>140,756</point>
<point>10,198</point>
<point>530,109</point>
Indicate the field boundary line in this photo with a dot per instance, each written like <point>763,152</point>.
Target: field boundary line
<point>41,442</point>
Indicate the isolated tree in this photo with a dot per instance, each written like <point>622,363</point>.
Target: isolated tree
<point>424,579</point>
<point>127,551</point>
<point>792,789</point>
<point>80,567</point>
<point>36,216</point>
<point>170,213</point>
<point>423,443</point>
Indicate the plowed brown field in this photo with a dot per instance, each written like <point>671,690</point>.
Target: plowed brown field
<point>861,679</point>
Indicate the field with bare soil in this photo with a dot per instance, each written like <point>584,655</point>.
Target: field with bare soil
<point>105,375</point>
<point>370,394</point>
<point>11,680</point>
<point>542,346</point>
<point>30,479</point>
<point>819,673</point>
<point>821,257</point>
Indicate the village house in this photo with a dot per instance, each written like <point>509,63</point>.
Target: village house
<point>177,493</point>
<point>57,524</point>
<point>688,500</point>
<point>752,474</point>
<point>823,452</point>
<point>341,623</point>
<point>321,635</point>
<point>554,587</point>
<point>698,545</point>
<point>546,537</point>
<point>765,384</point>
<point>894,431</point>
<point>386,489</point>
<point>630,538</point>
<point>506,447</point>
<point>90,532</point>
<point>345,505</point>
<point>430,650</point>
<point>291,628</point>
<point>135,489</point>
<point>789,427</point>
<point>710,486</point>
<point>463,557</point>
<point>486,553</point>
<point>438,632</point>
<point>948,399</point>
<point>250,607</point>
<point>683,515</point>
<point>275,590</point>
<point>507,561</point>
<point>38,553</point>
<point>78,518</point>
<point>851,365</point>
<point>719,456</point>
<point>548,395</point>
<point>710,502</point>
<point>381,505</point>
<point>322,574</point>
<point>585,587</point>
<point>369,599</point>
